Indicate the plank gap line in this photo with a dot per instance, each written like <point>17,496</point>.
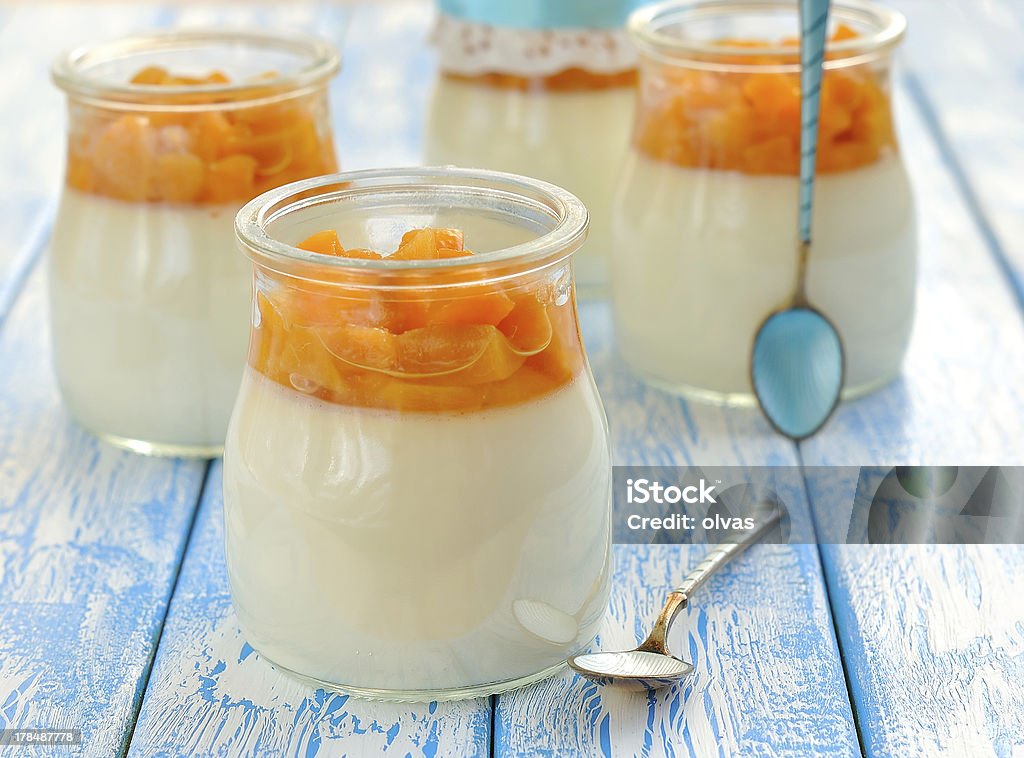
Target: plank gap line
<point>828,598</point>
<point>143,685</point>
<point>493,702</point>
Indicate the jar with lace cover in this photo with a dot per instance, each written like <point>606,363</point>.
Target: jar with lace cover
<point>539,89</point>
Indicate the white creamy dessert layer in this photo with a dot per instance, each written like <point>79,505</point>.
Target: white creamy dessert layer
<point>575,140</point>
<point>703,256</point>
<point>418,551</point>
<point>150,317</point>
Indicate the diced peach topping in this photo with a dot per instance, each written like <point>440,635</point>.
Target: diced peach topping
<point>569,80</point>
<point>448,346</point>
<point>228,153</point>
<point>750,121</point>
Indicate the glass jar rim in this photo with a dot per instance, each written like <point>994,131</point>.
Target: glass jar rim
<point>71,71</point>
<point>646,26</point>
<point>566,211</point>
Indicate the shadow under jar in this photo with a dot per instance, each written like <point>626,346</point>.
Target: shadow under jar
<point>705,219</point>
<point>540,89</point>
<point>417,472</point>
<point>168,136</point>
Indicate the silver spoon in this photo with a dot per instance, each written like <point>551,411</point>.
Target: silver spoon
<point>797,362</point>
<point>651,665</point>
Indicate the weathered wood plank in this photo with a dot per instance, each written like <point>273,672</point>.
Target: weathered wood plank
<point>768,678</point>
<point>211,694</point>
<point>933,637</point>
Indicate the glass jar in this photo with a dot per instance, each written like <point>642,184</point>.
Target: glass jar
<point>417,474</point>
<point>705,219</point>
<point>539,89</point>
<point>168,136</point>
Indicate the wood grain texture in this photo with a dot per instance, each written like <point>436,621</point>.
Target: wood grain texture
<point>768,679</point>
<point>90,542</point>
<point>211,694</point>
<point>966,65</point>
<point>933,637</point>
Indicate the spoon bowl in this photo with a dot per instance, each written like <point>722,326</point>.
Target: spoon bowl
<point>634,669</point>
<point>797,370</point>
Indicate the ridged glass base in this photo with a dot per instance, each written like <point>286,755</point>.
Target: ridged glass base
<point>748,399</point>
<point>162,449</point>
<point>421,696</point>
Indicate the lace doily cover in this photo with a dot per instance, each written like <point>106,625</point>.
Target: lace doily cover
<point>533,37</point>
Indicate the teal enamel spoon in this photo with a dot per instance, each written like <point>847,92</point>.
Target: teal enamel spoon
<point>797,363</point>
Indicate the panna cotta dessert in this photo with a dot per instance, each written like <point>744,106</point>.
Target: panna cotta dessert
<point>706,209</point>
<point>543,90</point>
<point>417,481</point>
<point>168,136</point>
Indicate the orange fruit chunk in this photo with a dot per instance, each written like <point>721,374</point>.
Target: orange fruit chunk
<point>159,76</point>
<point>572,79</point>
<point>844,32</point>
<point>448,345</point>
<point>228,153</point>
<point>149,75</point>
<point>325,243</point>
<point>484,306</point>
<point>418,353</point>
<point>442,239</point>
<point>179,177</point>
<point>122,158</point>
<point>750,120</point>
<point>430,244</point>
<point>229,178</point>
<point>528,326</point>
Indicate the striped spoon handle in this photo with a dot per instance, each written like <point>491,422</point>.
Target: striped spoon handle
<point>813,32</point>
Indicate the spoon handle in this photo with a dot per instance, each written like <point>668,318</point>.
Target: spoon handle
<point>813,32</point>
<point>718,556</point>
<point>721,554</point>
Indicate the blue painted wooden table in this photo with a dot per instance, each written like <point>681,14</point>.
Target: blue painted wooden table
<point>114,609</point>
